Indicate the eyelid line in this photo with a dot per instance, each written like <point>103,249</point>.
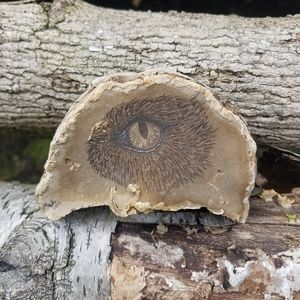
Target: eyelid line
<point>145,150</point>
<point>121,135</point>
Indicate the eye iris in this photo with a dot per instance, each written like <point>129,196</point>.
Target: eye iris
<point>144,135</point>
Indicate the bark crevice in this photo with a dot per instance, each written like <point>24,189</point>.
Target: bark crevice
<point>50,54</point>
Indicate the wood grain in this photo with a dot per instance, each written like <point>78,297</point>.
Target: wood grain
<point>245,261</point>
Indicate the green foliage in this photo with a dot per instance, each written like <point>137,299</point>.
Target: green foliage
<point>37,150</point>
<point>10,166</point>
<point>22,155</point>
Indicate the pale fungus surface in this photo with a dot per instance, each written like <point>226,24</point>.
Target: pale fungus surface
<point>149,141</point>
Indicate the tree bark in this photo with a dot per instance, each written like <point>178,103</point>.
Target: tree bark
<point>50,52</point>
<point>91,254</point>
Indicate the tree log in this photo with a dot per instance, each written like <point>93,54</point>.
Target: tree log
<point>91,254</point>
<point>50,52</point>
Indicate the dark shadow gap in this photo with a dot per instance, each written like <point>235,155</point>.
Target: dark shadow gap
<point>22,155</point>
<point>247,8</point>
<point>281,170</point>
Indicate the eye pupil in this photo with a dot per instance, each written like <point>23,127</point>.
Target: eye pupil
<point>143,128</point>
<point>144,136</point>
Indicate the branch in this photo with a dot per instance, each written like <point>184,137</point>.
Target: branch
<point>50,52</point>
<point>69,258</point>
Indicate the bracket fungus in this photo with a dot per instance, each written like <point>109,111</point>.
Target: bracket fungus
<point>149,141</point>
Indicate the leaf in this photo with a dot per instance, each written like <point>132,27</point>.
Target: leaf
<point>292,218</point>
<point>284,201</point>
<point>268,195</point>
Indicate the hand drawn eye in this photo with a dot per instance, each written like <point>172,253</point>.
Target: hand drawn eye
<point>159,143</point>
<point>142,135</point>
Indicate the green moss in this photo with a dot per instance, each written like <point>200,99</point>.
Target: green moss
<point>22,155</point>
<point>10,166</point>
<point>37,150</point>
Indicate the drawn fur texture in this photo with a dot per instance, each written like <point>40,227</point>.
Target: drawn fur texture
<point>158,143</point>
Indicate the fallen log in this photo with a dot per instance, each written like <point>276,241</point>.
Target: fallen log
<point>50,52</point>
<point>91,254</point>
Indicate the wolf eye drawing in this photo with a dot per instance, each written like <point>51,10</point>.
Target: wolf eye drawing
<point>159,143</point>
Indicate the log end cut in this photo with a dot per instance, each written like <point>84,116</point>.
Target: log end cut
<point>150,141</point>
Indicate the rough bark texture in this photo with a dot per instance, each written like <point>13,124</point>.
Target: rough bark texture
<point>74,258</point>
<point>50,52</point>
<point>40,259</point>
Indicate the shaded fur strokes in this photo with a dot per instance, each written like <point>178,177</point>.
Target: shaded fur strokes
<point>182,156</point>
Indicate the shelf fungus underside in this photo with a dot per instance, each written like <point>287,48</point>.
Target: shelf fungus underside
<point>145,142</point>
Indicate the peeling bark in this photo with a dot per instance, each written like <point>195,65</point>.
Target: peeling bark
<point>75,257</point>
<point>50,52</point>
<point>40,259</point>
<point>250,261</point>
